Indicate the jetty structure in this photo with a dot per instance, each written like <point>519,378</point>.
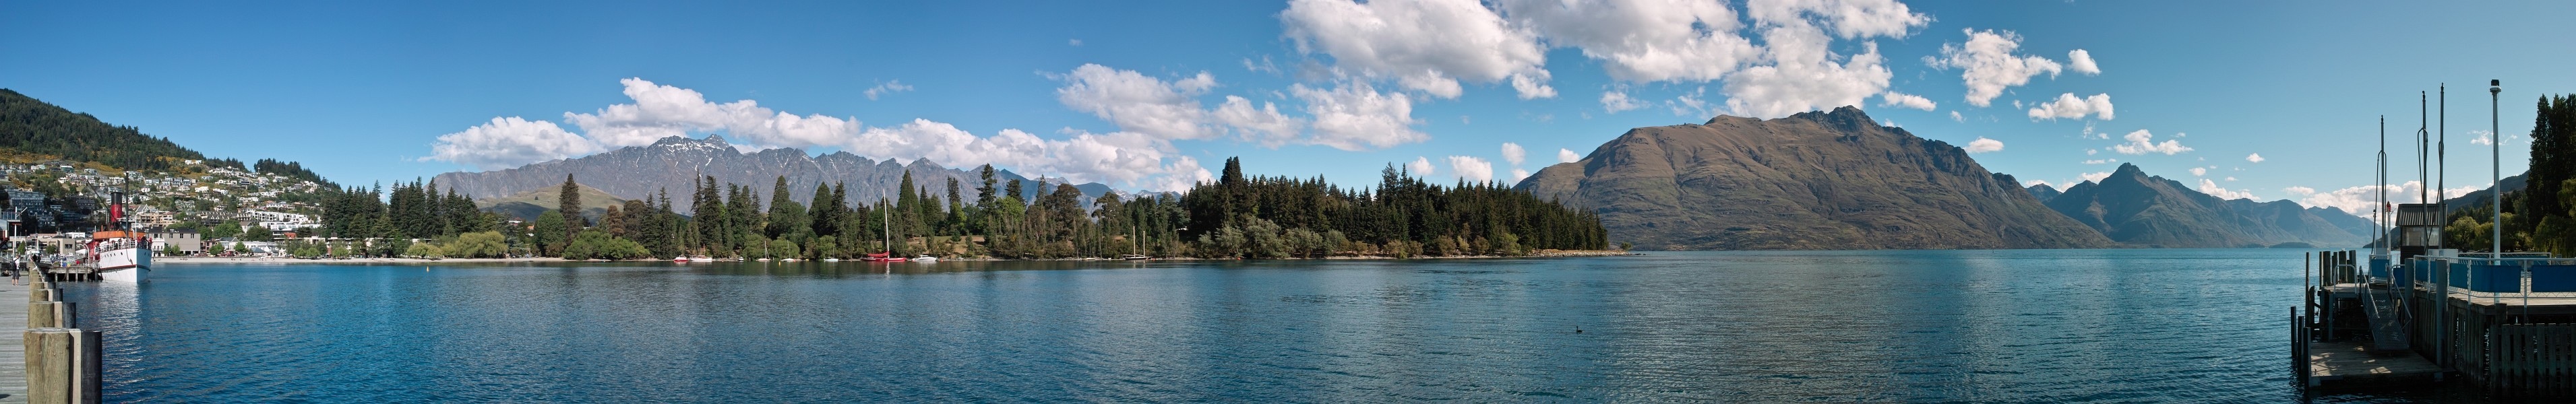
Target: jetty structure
<point>2410,312</point>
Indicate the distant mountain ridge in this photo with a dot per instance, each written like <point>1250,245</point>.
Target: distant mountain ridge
<point>675,163</point>
<point>2134,208</point>
<point>1815,180</point>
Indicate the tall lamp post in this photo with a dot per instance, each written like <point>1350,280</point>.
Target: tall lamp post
<point>2496,167</point>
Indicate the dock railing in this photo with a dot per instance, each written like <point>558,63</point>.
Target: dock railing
<point>63,361</point>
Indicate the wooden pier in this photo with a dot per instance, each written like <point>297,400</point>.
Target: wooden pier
<point>2507,325</point>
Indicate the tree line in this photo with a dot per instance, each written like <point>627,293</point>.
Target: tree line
<point>2544,223</point>
<point>1236,216</point>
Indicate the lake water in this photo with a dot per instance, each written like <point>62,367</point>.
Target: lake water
<point>2035,326</point>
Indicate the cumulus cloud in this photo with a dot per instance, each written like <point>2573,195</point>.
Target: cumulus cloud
<point>1264,125</point>
<point>1567,156</point>
<point>2255,157</point>
<point>2082,62</point>
<point>1512,152</point>
<point>1804,75</point>
<point>1519,174</point>
<point>888,87</point>
<point>663,111</point>
<point>2212,188</point>
<point>1471,168</point>
<point>1355,116</point>
<point>2067,106</point>
<point>1128,158</point>
<point>2095,176</point>
<point>1614,101</point>
<point>1643,41</point>
<point>1954,117</point>
<point>2199,171</point>
<point>1139,103</point>
<point>1897,99</point>
<point>2298,190</point>
<point>1983,145</point>
<point>2102,161</point>
<point>1421,166</point>
<point>1987,63</point>
<point>2141,142</point>
<point>509,142</point>
<point>2361,200</point>
<point>1424,45</point>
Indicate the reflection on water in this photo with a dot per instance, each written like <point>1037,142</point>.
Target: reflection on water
<point>2156,325</point>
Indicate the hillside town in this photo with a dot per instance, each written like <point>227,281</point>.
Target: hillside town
<point>201,209</point>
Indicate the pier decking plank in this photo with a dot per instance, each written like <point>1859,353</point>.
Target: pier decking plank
<point>13,348</point>
<point>2348,362</point>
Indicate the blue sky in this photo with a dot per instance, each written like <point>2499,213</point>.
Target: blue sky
<point>1114,91</point>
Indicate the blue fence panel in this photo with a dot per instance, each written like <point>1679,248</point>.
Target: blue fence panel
<point>2495,278</point>
<point>2403,278</point>
<point>2459,274</point>
<point>2553,278</point>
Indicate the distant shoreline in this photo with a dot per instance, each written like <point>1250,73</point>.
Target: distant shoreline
<point>292,260</point>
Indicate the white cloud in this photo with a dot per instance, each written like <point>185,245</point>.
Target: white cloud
<point>2067,106</point>
<point>2102,161</point>
<point>2212,188</point>
<point>1424,45</point>
<point>509,142</point>
<point>1121,158</point>
<point>2298,190</point>
<point>2199,171</point>
<point>2254,157</point>
<point>1988,65</point>
<point>2484,139</point>
<point>2141,142</point>
<point>1984,145</point>
<point>1519,174</point>
<point>663,111</point>
<point>2095,176</point>
<point>2089,152</point>
<point>1073,42</point>
<point>1954,117</point>
<point>1354,116</point>
<point>1804,75</point>
<point>1420,167</point>
<point>1643,41</point>
<point>1471,168</point>
<point>1512,152</point>
<point>1567,156</point>
<point>1138,103</point>
<point>2082,62</point>
<point>888,87</point>
<point>1264,125</point>
<point>2360,200</point>
<point>1897,99</point>
<point>1614,101</point>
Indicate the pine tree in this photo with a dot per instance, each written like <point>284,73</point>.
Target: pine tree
<point>568,200</point>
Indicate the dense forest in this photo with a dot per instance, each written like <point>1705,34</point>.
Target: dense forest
<point>1233,217</point>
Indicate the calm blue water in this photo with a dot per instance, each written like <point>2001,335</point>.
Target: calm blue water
<point>2033,326</point>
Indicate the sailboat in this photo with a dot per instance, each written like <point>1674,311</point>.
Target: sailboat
<point>888,255</point>
<point>120,253</point>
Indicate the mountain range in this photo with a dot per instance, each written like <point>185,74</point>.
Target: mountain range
<point>1838,180</point>
<point>1815,180</point>
<point>676,163</point>
<point>2134,208</point>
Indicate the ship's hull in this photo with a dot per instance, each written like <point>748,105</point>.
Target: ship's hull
<point>128,262</point>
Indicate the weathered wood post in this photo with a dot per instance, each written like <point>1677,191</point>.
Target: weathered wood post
<point>49,365</point>
<point>40,295</point>
<point>86,351</point>
<point>51,314</point>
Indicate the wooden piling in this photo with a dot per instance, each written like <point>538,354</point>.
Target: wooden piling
<point>86,353</point>
<point>41,295</point>
<point>49,365</point>
<point>51,314</point>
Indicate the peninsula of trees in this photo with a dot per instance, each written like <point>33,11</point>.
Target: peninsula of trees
<point>1233,217</point>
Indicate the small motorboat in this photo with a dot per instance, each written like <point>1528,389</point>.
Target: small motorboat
<point>831,260</point>
<point>1134,257</point>
<point>925,258</point>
